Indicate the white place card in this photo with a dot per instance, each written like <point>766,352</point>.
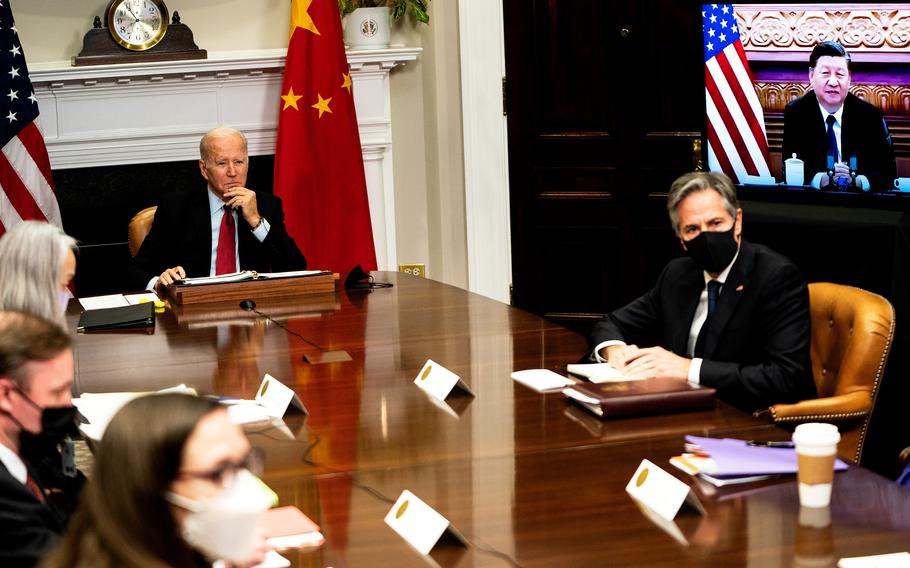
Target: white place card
<point>542,380</point>
<point>895,560</point>
<point>438,382</point>
<point>418,523</point>
<point>275,397</point>
<point>661,492</point>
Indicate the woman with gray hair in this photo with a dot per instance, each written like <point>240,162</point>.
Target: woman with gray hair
<point>37,263</point>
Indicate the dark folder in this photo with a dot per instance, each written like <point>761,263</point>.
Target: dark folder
<point>136,316</point>
<point>639,398</point>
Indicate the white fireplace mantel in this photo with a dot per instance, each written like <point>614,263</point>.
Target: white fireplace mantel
<point>109,115</point>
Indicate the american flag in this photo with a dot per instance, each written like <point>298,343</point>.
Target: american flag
<point>737,142</point>
<point>26,186</point>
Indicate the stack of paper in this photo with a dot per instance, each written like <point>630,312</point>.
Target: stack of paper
<point>725,461</point>
<point>597,372</point>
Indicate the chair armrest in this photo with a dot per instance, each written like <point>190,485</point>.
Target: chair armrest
<point>850,405</point>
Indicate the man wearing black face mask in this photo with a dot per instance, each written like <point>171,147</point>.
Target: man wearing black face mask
<point>731,315</point>
<point>36,413</point>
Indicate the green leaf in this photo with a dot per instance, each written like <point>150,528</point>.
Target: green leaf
<point>420,13</point>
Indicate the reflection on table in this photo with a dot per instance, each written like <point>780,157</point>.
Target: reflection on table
<point>522,474</point>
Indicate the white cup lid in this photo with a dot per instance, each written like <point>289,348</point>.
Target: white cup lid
<point>816,434</point>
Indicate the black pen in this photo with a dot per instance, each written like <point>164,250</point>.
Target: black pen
<point>769,444</point>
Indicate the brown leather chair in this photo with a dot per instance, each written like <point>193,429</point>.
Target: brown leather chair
<point>852,330</point>
<point>139,228</point>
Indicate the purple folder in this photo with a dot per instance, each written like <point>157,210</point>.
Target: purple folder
<point>734,458</point>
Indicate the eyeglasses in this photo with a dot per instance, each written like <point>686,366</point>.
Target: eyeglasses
<point>225,472</point>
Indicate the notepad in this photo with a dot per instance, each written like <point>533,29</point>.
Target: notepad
<point>597,372</point>
<point>287,527</point>
<point>542,380</point>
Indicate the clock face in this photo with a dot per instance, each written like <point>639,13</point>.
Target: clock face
<point>137,24</point>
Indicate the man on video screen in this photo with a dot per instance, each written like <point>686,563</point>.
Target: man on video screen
<point>842,140</point>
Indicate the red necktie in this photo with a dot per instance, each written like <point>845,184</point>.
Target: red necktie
<point>226,258</point>
<point>32,486</point>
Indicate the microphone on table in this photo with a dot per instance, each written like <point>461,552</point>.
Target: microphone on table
<point>324,355</point>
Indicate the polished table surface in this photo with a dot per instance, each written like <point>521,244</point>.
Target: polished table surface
<point>528,478</point>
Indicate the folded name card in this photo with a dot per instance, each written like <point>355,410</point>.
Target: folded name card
<point>418,523</point>
<point>275,397</point>
<point>439,382</point>
<point>660,492</point>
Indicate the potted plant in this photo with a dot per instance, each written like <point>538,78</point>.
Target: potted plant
<point>368,22</point>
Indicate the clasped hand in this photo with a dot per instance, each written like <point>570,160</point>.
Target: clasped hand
<point>245,199</point>
<point>648,363</point>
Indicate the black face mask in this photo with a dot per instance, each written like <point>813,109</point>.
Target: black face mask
<point>56,424</point>
<point>713,251</point>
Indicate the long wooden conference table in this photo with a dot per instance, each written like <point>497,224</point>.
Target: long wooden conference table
<point>529,479</point>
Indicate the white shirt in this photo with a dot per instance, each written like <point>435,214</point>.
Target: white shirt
<point>838,125</point>
<point>701,314</point>
<point>13,464</point>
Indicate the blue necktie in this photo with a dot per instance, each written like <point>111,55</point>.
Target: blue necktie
<point>832,139</point>
<point>713,294</point>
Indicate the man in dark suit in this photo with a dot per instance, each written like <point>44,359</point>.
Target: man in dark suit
<point>830,121</point>
<point>731,315</point>
<point>193,236</point>
<point>36,374</point>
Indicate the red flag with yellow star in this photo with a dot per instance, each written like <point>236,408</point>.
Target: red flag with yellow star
<point>318,160</point>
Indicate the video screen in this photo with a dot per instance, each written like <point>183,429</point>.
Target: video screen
<point>809,97</point>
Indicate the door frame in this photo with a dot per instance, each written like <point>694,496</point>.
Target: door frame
<point>486,168</point>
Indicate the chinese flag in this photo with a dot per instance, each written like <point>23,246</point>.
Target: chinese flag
<point>318,161</point>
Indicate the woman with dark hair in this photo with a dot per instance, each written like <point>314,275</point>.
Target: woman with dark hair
<point>171,487</point>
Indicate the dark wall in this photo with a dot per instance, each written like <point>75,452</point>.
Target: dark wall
<point>97,205</point>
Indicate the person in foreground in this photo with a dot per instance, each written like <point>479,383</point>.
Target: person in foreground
<point>171,487</point>
<point>731,315</point>
<point>37,264</point>
<point>192,236</point>
<point>829,121</point>
<point>36,413</point>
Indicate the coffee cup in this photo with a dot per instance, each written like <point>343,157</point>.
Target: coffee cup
<point>816,450</point>
<point>902,184</point>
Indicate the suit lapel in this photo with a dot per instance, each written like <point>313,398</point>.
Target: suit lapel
<point>201,220</point>
<point>737,281</point>
<point>689,292</point>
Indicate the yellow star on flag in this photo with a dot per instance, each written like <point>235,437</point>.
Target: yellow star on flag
<point>300,17</point>
<point>323,105</point>
<point>290,99</point>
<point>347,82</point>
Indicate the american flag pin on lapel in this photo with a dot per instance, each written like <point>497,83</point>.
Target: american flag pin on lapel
<point>739,288</point>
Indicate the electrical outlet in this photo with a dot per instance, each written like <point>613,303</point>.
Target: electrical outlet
<point>413,269</point>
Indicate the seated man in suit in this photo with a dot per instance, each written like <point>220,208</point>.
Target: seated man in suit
<point>36,412</point>
<point>192,236</point>
<point>731,315</point>
<point>831,123</point>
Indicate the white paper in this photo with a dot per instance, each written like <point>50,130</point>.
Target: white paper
<point>248,412</point>
<point>312,538</point>
<point>658,490</point>
<point>541,380</point>
<point>102,302</point>
<point>137,298</point>
<point>416,522</point>
<point>895,560</point>
<point>598,372</point>
<point>100,408</point>
<point>273,560</point>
